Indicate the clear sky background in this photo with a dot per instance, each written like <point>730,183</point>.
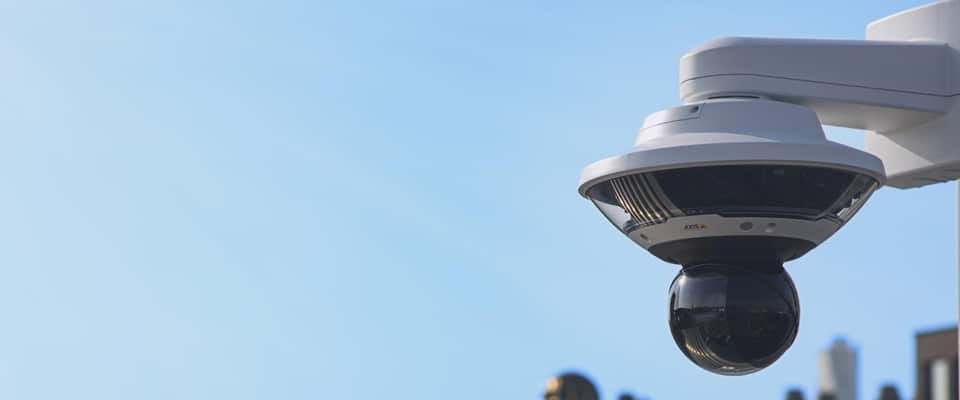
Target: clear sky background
<point>369,200</point>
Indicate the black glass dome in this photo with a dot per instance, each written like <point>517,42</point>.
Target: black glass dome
<point>734,319</point>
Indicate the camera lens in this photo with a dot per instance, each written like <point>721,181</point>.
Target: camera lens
<point>734,319</point>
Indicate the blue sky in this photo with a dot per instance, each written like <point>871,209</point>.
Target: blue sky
<point>364,200</point>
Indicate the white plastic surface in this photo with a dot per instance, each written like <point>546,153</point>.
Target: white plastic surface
<point>930,152</point>
<point>731,131</point>
<point>713,225</point>
<point>876,85</point>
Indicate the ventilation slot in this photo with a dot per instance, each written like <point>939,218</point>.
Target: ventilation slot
<point>637,197</point>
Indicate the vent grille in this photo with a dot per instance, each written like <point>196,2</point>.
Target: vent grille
<point>640,199</point>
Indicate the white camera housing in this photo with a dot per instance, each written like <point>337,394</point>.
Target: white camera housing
<point>754,136</point>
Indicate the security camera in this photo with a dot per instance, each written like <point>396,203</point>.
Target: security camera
<point>731,189</point>
<point>741,178</point>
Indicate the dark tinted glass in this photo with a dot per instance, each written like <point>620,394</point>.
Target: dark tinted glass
<point>734,320</point>
<point>746,189</point>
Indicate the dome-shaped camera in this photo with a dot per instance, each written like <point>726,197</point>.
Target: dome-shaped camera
<point>731,189</point>
<point>734,319</point>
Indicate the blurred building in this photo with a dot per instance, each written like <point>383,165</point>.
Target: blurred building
<point>889,392</point>
<point>838,372</point>
<point>937,365</point>
<point>794,394</point>
<point>570,386</point>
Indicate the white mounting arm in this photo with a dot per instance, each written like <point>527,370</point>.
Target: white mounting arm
<point>880,86</point>
<point>903,86</point>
